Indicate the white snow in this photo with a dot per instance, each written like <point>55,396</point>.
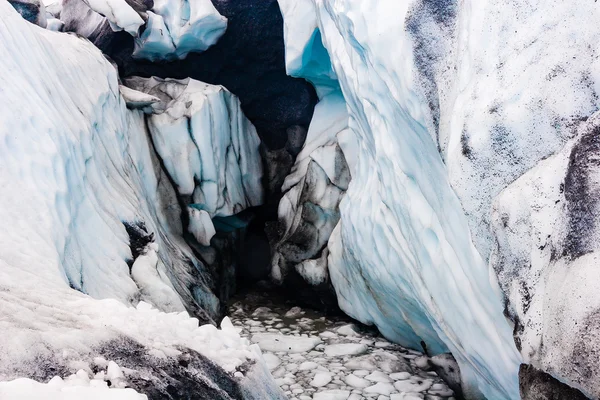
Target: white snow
<point>69,389</point>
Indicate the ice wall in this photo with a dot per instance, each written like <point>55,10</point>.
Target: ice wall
<point>453,103</point>
<point>401,257</point>
<point>83,192</point>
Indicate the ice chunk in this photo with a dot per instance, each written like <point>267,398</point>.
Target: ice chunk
<point>120,14</point>
<point>201,226</point>
<point>272,360</point>
<point>356,381</point>
<point>335,394</point>
<point>135,99</point>
<point>321,378</point>
<point>345,349</point>
<point>285,343</point>
<point>174,29</point>
<point>208,146</point>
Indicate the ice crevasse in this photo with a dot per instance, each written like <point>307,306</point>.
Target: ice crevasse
<point>81,183</point>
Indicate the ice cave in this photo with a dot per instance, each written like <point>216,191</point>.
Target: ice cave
<point>299,199</point>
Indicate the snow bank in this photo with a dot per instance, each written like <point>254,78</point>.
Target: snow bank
<point>71,389</point>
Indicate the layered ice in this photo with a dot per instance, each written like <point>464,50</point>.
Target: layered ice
<point>309,209</point>
<point>92,226</point>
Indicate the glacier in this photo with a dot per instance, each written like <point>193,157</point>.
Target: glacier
<point>94,268</point>
<point>455,216</point>
<point>443,189</point>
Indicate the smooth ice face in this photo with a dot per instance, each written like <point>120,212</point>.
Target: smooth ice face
<point>174,29</point>
<point>206,143</point>
<point>79,172</point>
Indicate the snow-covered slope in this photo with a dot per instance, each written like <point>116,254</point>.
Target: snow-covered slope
<point>83,193</point>
<point>451,103</point>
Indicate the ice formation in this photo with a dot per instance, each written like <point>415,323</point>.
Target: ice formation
<point>163,30</point>
<point>83,193</point>
<point>208,146</point>
<point>175,29</point>
<point>471,96</point>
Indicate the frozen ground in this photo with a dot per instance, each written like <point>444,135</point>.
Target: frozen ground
<point>313,356</point>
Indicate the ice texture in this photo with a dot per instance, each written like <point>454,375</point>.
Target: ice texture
<point>207,144</point>
<point>83,193</point>
<point>119,13</point>
<point>176,28</point>
<point>402,256</point>
<point>309,209</point>
<point>547,257</point>
<point>163,30</point>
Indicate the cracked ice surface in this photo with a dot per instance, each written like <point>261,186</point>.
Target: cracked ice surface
<point>342,361</point>
<point>207,144</point>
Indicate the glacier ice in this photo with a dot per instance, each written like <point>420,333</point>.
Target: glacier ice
<point>403,246</point>
<point>463,127</point>
<point>546,259</point>
<point>119,14</point>
<point>309,208</point>
<point>83,192</point>
<point>163,30</point>
<point>174,29</point>
<point>207,145</point>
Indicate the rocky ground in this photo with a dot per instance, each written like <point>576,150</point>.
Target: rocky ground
<point>313,356</point>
